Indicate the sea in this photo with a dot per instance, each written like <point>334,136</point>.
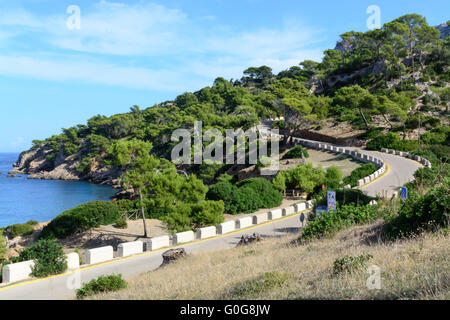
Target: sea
<point>23,199</point>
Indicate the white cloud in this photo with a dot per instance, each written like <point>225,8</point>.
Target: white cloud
<point>94,72</point>
<point>187,54</point>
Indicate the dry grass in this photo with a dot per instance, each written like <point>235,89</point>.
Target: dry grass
<point>276,269</point>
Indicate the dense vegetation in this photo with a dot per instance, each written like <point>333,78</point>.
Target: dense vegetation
<point>421,213</point>
<point>48,256</point>
<point>327,224</point>
<point>81,218</point>
<point>246,196</point>
<point>102,284</point>
<point>396,73</point>
<point>360,173</point>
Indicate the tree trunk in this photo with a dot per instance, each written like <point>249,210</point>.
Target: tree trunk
<point>143,214</point>
<point>364,118</point>
<point>387,120</point>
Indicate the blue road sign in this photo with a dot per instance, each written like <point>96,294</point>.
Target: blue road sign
<point>331,201</point>
<point>404,193</point>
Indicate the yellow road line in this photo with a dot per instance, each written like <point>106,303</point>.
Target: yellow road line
<point>148,253</point>
<point>388,169</point>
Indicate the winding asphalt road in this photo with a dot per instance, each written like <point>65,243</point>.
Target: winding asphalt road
<point>63,286</point>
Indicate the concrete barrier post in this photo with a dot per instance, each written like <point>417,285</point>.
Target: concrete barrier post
<point>260,218</point>
<point>17,271</point>
<point>207,232</point>
<point>158,243</point>
<point>288,211</point>
<point>244,222</point>
<point>130,248</point>
<point>226,227</point>
<point>299,207</point>
<point>73,261</point>
<point>183,237</point>
<point>97,255</point>
<point>275,214</point>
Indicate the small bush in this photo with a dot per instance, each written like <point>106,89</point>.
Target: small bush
<point>102,284</point>
<point>348,264</point>
<point>48,255</point>
<point>20,229</point>
<point>81,218</point>
<point>360,173</point>
<point>253,287</point>
<point>421,213</point>
<point>328,224</point>
<point>391,141</point>
<point>32,222</point>
<point>121,223</point>
<point>246,196</point>
<point>296,153</point>
<point>347,196</point>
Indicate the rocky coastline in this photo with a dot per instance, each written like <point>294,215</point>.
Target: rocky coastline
<point>35,164</point>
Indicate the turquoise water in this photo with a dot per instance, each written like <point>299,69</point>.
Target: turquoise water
<point>23,199</point>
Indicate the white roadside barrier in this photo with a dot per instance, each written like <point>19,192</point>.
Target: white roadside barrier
<point>260,218</point>
<point>17,271</point>
<point>207,232</point>
<point>183,237</point>
<point>299,207</point>
<point>98,255</point>
<point>73,261</point>
<point>309,204</point>
<point>244,222</point>
<point>288,211</point>
<point>130,248</point>
<point>226,227</point>
<point>275,214</point>
<point>158,243</point>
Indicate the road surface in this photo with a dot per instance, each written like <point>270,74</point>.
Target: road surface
<point>400,171</point>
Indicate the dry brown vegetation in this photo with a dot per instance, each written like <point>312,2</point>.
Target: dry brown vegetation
<point>277,269</point>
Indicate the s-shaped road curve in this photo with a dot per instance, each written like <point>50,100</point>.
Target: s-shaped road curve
<point>63,286</point>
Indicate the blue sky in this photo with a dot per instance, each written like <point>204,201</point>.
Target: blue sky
<point>145,52</point>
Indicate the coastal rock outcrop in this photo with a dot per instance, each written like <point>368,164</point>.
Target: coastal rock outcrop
<point>37,165</point>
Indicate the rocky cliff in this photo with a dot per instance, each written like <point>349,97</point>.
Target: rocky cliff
<point>37,165</point>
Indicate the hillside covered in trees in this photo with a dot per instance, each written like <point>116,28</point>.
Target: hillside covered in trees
<point>390,86</point>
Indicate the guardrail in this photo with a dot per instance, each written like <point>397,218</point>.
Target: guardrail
<point>16,272</point>
<point>408,155</point>
<point>21,271</point>
<point>379,163</point>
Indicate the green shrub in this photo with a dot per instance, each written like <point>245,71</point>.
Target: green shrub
<point>305,177</point>
<point>333,177</point>
<point>81,218</point>
<point>121,223</point>
<point>188,216</point>
<point>346,196</point>
<point>262,283</point>
<point>32,222</point>
<point>391,141</point>
<point>360,173</point>
<point>348,264</point>
<point>296,153</point>
<point>3,249</point>
<point>102,284</point>
<point>266,194</point>
<point>327,224</point>
<point>246,196</point>
<point>48,255</point>
<point>420,213</point>
<point>20,229</point>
